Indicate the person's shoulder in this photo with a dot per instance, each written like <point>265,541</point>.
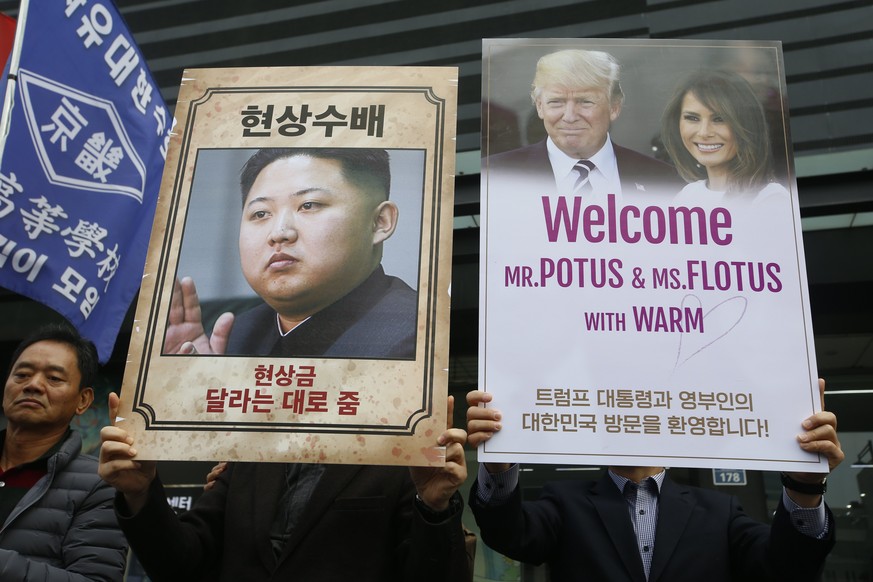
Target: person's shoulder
<point>773,190</point>
<point>81,474</point>
<point>628,155</point>
<point>389,295</point>
<point>701,495</point>
<point>647,173</point>
<point>250,331</point>
<point>77,470</point>
<point>399,290</point>
<point>511,157</point>
<point>72,459</point>
<point>70,451</point>
<point>695,194</point>
<point>572,487</point>
<point>389,321</point>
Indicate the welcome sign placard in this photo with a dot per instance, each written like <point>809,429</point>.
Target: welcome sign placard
<point>651,307</point>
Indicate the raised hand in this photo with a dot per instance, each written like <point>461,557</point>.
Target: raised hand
<point>185,332</point>
<point>213,474</point>
<point>436,485</point>
<point>118,466</point>
<point>483,423</point>
<point>819,436</point>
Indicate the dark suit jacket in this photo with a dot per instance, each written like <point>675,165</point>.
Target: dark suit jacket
<point>359,525</point>
<point>583,531</point>
<point>377,319</point>
<point>638,173</point>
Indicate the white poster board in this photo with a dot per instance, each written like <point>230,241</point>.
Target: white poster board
<point>641,325</point>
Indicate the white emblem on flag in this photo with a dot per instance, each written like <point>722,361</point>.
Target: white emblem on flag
<point>80,139</point>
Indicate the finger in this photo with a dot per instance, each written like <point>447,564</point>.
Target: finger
<point>188,348</point>
<point>483,425</point>
<point>821,390</point>
<point>215,472</point>
<point>477,397</point>
<point>115,450</point>
<point>453,435</point>
<point>177,307</point>
<point>822,438</point>
<point>450,411</point>
<point>190,301</point>
<point>474,440</point>
<point>479,433</point>
<point>478,412</point>
<point>111,433</point>
<point>113,467</point>
<point>221,333</point>
<point>819,446</point>
<point>821,426</point>
<point>455,439</point>
<point>824,446</point>
<point>455,455</point>
<point>831,450</point>
<point>819,420</point>
<point>114,402</point>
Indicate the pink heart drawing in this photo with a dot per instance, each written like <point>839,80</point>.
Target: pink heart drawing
<point>718,322</point>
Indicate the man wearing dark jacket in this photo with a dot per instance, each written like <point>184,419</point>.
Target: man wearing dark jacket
<point>301,522</point>
<point>636,525</point>
<point>56,513</point>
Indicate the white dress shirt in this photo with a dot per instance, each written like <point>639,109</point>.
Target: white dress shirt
<point>604,177</point>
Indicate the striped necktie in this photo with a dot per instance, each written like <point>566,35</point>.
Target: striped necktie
<point>583,184</point>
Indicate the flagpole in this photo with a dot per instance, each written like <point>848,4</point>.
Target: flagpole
<point>14,59</point>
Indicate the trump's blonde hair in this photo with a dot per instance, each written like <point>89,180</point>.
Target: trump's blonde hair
<point>573,68</point>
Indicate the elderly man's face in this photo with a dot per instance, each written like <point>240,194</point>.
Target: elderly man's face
<point>307,235</point>
<point>577,119</point>
<point>42,389</point>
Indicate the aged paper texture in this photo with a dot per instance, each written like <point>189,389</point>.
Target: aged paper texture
<point>316,243</point>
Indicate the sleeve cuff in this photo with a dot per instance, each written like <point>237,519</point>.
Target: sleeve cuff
<point>456,504</point>
<point>810,521</point>
<point>496,488</point>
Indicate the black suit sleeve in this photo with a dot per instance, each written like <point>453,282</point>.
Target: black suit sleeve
<point>437,551</point>
<point>788,554</point>
<point>168,547</point>
<point>527,532</point>
<point>702,535</point>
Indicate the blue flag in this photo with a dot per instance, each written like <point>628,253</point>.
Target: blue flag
<point>81,167</point>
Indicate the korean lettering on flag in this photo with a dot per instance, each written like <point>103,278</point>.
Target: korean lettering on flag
<point>81,166</point>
